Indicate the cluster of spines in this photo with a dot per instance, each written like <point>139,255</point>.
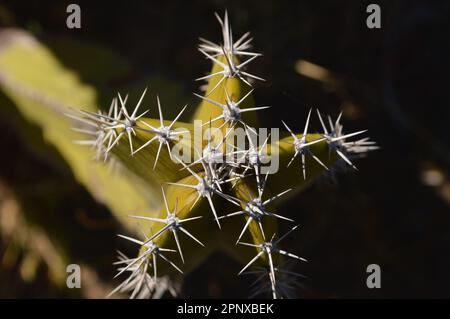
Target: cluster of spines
<point>231,168</point>
<point>108,129</point>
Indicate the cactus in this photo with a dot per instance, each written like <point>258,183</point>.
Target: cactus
<point>221,175</point>
<point>218,184</point>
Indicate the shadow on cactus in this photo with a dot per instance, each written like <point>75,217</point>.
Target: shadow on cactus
<point>221,175</point>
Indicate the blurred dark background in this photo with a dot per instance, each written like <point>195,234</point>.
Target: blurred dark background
<point>392,81</point>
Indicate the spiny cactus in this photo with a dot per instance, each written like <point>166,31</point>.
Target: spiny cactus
<point>217,161</point>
